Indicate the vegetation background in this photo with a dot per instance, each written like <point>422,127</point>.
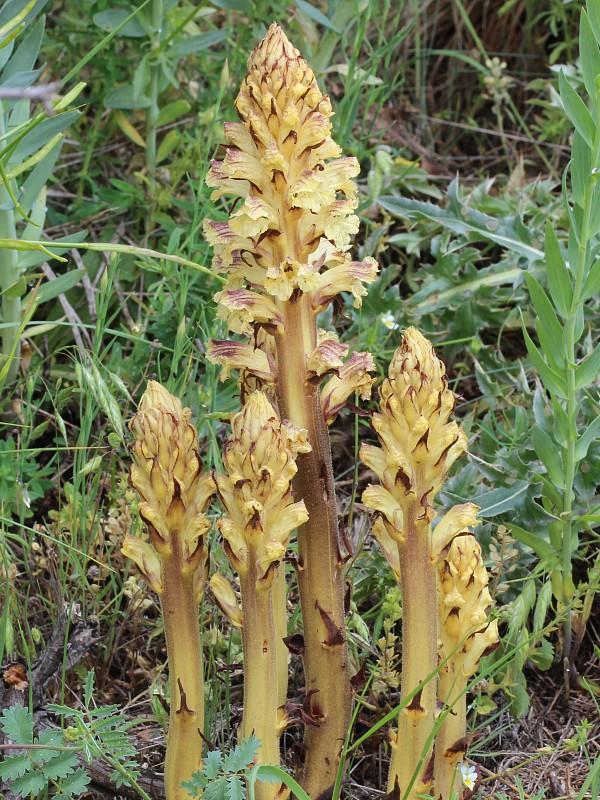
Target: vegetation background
<point>463,129</point>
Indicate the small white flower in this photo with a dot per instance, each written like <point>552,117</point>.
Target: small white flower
<point>388,321</point>
<point>469,775</point>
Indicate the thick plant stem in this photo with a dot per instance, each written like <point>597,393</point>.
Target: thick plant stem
<point>260,715</point>
<point>320,556</point>
<point>452,692</point>
<point>184,651</point>
<point>411,761</point>
<point>280,619</point>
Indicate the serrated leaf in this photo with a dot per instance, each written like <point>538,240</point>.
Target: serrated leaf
<point>559,279</point>
<point>74,784</point>
<point>550,331</point>
<point>14,766</point>
<point>236,789</point>
<point>551,379</point>
<point>212,764</point>
<point>242,755</point>
<point>61,765</point>
<point>549,454</point>
<point>582,444</point>
<point>216,790</point>
<point>576,110</point>
<point>588,370</point>
<point>17,724</point>
<point>32,782</point>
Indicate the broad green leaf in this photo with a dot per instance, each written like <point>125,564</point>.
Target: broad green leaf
<point>236,788</point>
<point>581,168</point>
<point>212,764</point>
<point>42,134</point>
<point>592,283</point>
<point>576,110</point>
<point>500,500</point>
<point>124,97</point>
<point>589,54</point>
<point>167,144</point>
<point>197,43</point>
<point>551,379</point>
<point>125,125</point>
<point>141,77</point>
<point>173,111</point>
<point>549,454</point>
<point>24,57</point>
<point>60,285</point>
<point>587,437</point>
<point>17,724</point>
<point>272,773</point>
<point>541,606</point>
<point>470,222</point>
<point>37,178</point>
<point>110,19</point>
<point>316,15</point>
<point>74,784</point>
<point>14,766</point>
<point>594,225</point>
<point>549,330</point>
<point>31,783</point>
<point>593,10</point>
<point>62,764</point>
<point>588,370</point>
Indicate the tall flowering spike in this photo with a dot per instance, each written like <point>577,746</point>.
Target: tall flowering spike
<point>418,446</point>
<point>297,191</point>
<point>285,253</point>
<point>259,518</point>
<point>466,634</point>
<point>419,443</point>
<point>168,475</point>
<point>257,491</point>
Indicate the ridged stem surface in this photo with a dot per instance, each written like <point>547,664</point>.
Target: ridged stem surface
<point>320,557</point>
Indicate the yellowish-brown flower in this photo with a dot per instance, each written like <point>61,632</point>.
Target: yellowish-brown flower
<point>256,492</point>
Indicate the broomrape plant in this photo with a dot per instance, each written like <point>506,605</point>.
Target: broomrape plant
<point>284,254</point>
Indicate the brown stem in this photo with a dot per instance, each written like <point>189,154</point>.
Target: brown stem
<point>260,715</point>
<point>320,556</point>
<point>411,755</point>
<point>184,651</point>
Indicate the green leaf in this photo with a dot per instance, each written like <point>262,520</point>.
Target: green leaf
<point>212,764</point>
<point>32,782</point>
<point>17,724</point>
<point>592,283</point>
<point>542,656</point>
<point>61,765</point>
<point>236,789</point>
<point>88,687</point>
<point>589,54</point>
<point>242,755</point>
<point>541,606</point>
<point>12,767</point>
<point>593,10</point>
<point>197,43</point>
<point>576,110</point>
<point>588,370</point>
<point>551,380</point>
<point>125,97</point>
<point>141,77</point>
<point>549,453</point>
<point>42,134</point>
<point>38,177</point>
<point>55,286</point>
<point>25,56</point>
<point>216,790</point>
<point>74,784</point>
<point>270,772</point>
<point>549,329</point>
<point>587,437</point>
<point>173,111</point>
<point>113,17</point>
<point>500,500</point>
<point>316,15</point>
<point>581,168</point>
<point>470,222</point>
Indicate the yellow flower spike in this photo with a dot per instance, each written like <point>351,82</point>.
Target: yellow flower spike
<point>168,475</point>
<point>287,243</point>
<point>418,446</point>
<point>466,634</point>
<point>260,516</point>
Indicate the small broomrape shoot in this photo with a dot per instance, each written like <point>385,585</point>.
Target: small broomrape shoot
<point>168,475</point>
<point>284,251</point>
<point>419,445</point>
<point>260,517</point>
<point>465,634</point>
